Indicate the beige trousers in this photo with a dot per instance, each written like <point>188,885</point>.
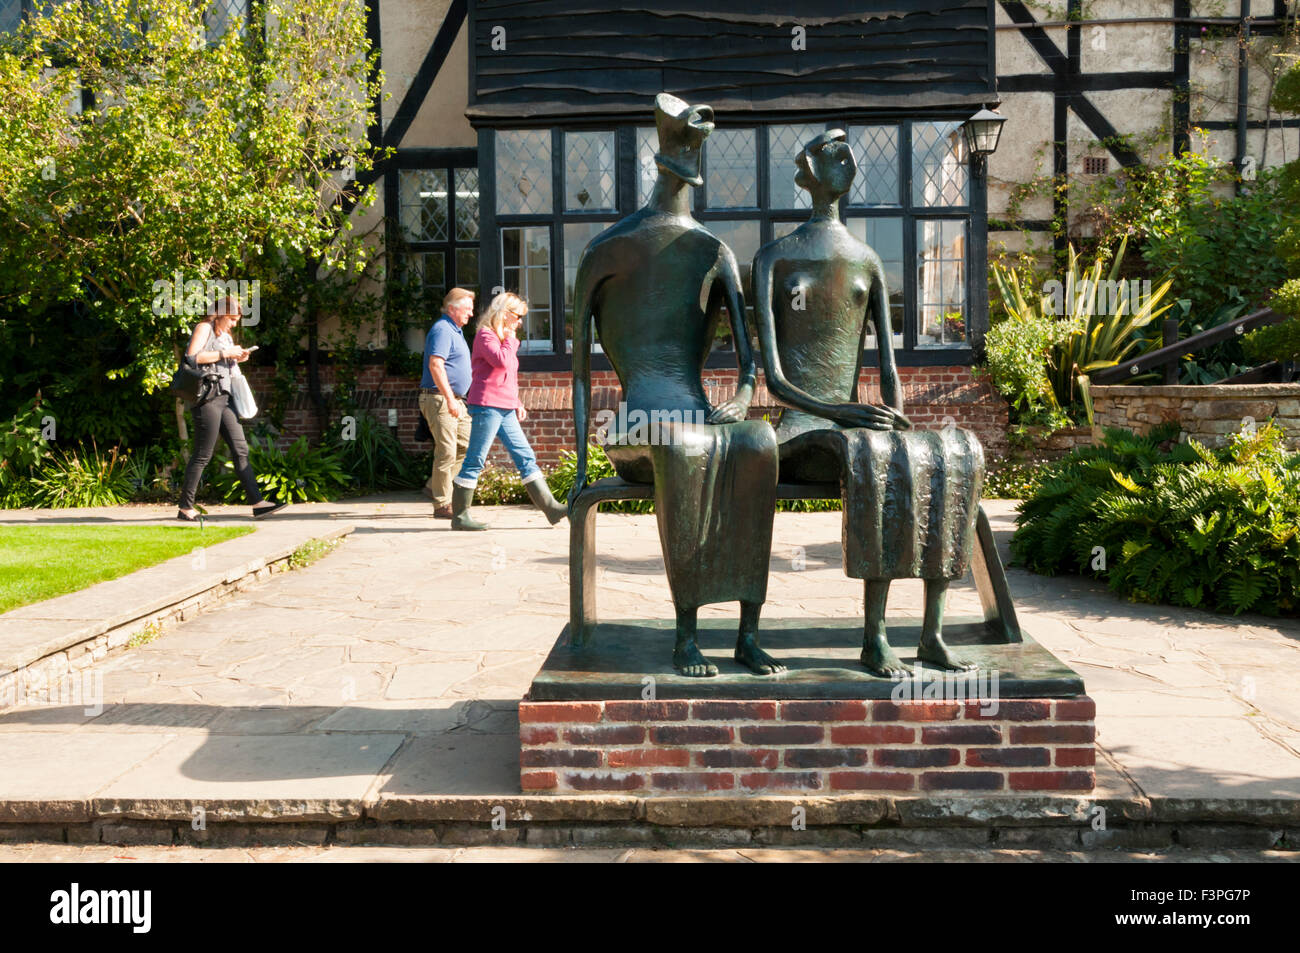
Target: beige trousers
<point>450,441</point>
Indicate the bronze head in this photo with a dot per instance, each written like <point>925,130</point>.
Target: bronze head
<point>682,130</point>
<point>826,165</point>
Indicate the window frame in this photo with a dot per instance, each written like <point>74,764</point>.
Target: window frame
<point>974,214</point>
<point>448,161</point>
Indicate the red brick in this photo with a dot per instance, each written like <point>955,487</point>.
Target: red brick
<point>604,781</point>
<point>823,711</point>
<point>691,734</point>
<point>1076,709</point>
<point>871,781</point>
<point>1051,780</point>
<point>738,758</point>
<point>693,781</point>
<point>1076,757</point>
<point>872,734</point>
<point>961,735</point>
<point>605,735</point>
<point>782,780</point>
<point>917,757</point>
<point>915,711</point>
<point>558,711</point>
<point>647,711</point>
<point>733,711</point>
<point>781,734</point>
<point>533,735</point>
<point>961,781</point>
<point>558,758</point>
<point>827,757</point>
<point>648,757</point>
<point>1008,757</point>
<point>1052,734</point>
<point>537,780</point>
<point>1009,711</point>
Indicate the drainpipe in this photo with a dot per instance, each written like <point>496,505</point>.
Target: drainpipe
<point>1243,87</point>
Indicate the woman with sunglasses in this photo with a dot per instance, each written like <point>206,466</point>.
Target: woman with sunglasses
<point>495,410</point>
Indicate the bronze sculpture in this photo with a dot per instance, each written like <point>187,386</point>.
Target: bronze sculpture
<point>911,499</point>
<point>655,285</point>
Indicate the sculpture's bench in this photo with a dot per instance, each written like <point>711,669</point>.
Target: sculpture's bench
<point>990,578</point>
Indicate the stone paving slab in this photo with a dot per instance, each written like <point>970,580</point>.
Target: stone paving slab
<point>425,640</point>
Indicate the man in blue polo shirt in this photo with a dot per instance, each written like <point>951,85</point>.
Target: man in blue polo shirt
<point>443,387</point>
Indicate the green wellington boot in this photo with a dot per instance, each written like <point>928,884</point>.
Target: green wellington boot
<point>461,498</point>
<point>540,494</point>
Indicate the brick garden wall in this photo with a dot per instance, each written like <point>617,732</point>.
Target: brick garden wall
<point>932,396</point>
<point>1031,745</point>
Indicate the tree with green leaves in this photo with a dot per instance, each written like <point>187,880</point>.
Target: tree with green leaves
<point>136,147</point>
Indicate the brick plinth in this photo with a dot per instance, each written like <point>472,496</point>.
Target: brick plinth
<point>719,746</point>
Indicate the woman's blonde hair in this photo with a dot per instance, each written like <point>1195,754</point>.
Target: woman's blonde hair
<point>495,315</point>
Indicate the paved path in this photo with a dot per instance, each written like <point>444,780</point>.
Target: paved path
<point>394,666</point>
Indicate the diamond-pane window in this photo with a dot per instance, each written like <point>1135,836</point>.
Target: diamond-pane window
<point>11,15</point>
<point>647,144</point>
<point>223,16</point>
<point>733,180</point>
<point>423,198</point>
<point>523,172</point>
<point>589,172</point>
<point>876,150</point>
<point>784,143</point>
<point>939,174</point>
<point>467,205</point>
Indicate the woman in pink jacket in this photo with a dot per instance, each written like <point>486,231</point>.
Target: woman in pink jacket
<point>494,410</point>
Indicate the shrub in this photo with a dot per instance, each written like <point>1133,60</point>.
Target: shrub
<point>1041,353</point>
<point>301,474</point>
<point>86,478</point>
<point>598,467</point>
<point>1014,481</point>
<point>499,487</point>
<point>22,449</point>
<point>1179,523</point>
<point>372,456</point>
<point>1277,342</point>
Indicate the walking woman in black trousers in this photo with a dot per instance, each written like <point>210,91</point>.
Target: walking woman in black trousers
<point>211,344</point>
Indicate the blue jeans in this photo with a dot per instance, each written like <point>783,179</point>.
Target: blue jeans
<point>488,424</point>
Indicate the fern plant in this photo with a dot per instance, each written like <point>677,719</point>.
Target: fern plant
<point>1179,524</point>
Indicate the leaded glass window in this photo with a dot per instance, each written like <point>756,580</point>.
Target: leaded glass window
<point>939,170</point>
<point>589,172</point>
<point>423,199</point>
<point>523,172</point>
<point>732,174</point>
<point>879,170</point>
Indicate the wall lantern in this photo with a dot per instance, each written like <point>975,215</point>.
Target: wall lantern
<point>982,132</point>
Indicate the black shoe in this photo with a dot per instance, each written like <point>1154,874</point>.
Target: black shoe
<point>259,512</point>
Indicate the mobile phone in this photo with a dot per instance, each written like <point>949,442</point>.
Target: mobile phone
<point>253,348</point>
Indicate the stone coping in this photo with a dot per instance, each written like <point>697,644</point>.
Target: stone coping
<point>698,811</point>
<point>1198,391</point>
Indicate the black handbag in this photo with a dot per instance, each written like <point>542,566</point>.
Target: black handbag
<point>192,383</point>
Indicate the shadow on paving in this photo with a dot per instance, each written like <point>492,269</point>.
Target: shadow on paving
<point>213,751</point>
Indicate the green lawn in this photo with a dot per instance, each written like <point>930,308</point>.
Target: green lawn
<point>40,562</point>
